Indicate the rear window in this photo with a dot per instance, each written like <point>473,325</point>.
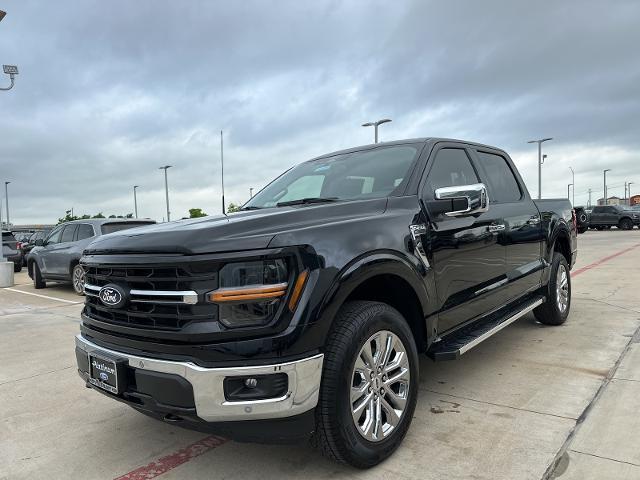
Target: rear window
<point>116,227</point>
<point>503,186</point>
<point>8,237</point>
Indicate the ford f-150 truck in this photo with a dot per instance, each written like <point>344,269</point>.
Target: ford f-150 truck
<point>304,314</point>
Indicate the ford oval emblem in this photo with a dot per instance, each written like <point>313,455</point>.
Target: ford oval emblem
<point>104,376</point>
<point>111,296</point>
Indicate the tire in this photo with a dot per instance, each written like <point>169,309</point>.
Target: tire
<point>582,218</point>
<point>38,281</point>
<point>339,435</point>
<point>625,224</point>
<point>552,312</point>
<point>17,267</point>
<point>77,279</point>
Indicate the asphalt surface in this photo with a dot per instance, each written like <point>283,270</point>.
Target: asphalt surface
<point>532,402</point>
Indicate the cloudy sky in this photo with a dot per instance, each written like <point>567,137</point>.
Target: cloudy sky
<point>110,91</point>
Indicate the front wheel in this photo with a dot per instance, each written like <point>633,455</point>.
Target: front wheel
<point>558,302</point>
<point>38,281</point>
<point>625,224</point>
<point>369,385</point>
<point>77,278</point>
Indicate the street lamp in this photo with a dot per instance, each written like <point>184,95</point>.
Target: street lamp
<point>6,200</point>
<point>540,142</point>
<point>569,185</point>
<point>573,179</point>
<point>224,210</point>
<point>629,191</point>
<point>605,185</point>
<point>166,189</point>
<point>376,125</point>
<point>12,71</point>
<point>135,200</point>
<point>250,192</point>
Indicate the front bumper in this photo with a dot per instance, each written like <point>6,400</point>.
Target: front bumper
<point>208,384</point>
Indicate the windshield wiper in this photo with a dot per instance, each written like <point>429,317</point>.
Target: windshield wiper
<point>307,200</point>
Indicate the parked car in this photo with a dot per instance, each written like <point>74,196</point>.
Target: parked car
<point>304,313</point>
<point>606,216</point>
<point>27,245</point>
<point>10,250</point>
<point>57,256</point>
<point>582,219</point>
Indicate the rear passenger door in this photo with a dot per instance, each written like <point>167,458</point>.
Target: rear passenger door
<point>467,251</point>
<point>522,236</point>
<point>58,256</point>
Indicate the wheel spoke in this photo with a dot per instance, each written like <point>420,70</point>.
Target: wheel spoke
<point>393,417</point>
<point>403,374</point>
<point>359,391</point>
<point>398,401</point>
<point>364,403</point>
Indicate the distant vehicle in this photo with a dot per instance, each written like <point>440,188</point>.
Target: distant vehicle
<point>27,245</point>
<point>582,219</point>
<point>57,256</point>
<point>10,250</point>
<point>636,207</point>
<point>604,217</point>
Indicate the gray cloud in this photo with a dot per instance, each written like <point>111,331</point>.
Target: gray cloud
<point>109,91</point>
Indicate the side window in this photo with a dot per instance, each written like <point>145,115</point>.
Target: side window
<point>84,231</point>
<point>502,184</point>
<point>597,210</point>
<point>68,233</point>
<point>54,237</point>
<point>451,168</point>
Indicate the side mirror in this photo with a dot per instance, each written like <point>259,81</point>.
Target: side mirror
<point>39,242</point>
<point>462,200</point>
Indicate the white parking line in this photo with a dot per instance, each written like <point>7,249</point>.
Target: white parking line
<point>43,296</point>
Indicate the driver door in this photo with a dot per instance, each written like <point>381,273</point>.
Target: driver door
<point>467,251</point>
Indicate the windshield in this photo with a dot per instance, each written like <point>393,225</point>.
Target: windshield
<point>366,174</point>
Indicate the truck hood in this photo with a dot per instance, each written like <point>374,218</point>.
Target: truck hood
<point>253,229</point>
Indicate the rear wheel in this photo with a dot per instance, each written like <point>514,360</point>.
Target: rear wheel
<point>77,278</point>
<point>558,303</point>
<point>625,224</point>
<point>17,267</point>
<point>369,385</point>
<point>38,281</point>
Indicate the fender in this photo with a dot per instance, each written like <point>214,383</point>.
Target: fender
<point>360,269</point>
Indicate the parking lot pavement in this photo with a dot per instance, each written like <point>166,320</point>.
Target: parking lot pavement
<point>532,402</point>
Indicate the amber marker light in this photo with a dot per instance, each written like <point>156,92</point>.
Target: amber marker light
<point>245,294</point>
<point>297,289</point>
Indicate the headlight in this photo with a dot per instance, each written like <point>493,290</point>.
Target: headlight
<point>250,293</point>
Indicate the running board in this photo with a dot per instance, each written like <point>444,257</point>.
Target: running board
<point>459,342</point>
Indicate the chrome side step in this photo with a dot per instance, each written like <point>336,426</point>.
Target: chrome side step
<point>451,347</point>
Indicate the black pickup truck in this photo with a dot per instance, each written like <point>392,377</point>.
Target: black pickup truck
<point>304,314</point>
<point>604,217</point>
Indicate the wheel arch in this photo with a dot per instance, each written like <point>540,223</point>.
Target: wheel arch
<point>384,277</point>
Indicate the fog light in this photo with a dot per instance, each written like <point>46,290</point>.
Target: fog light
<point>256,387</point>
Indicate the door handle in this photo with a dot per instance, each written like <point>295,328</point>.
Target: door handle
<point>535,220</point>
<point>496,228</point>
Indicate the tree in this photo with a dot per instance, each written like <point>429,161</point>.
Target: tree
<point>98,215</point>
<point>196,213</point>
<point>129,215</point>
<point>233,208</point>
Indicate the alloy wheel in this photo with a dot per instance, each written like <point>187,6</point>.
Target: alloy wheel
<point>379,386</point>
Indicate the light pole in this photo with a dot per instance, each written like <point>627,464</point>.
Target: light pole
<point>250,193</point>
<point>166,189</point>
<point>135,200</point>
<point>540,160</point>
<point>10,70</point>
<point>589,202</point>
<point>605,184</point>
<point>6,200</point>
<point>224,210</point>
<point>569,185</point>
<point>629,192</point>
<point>573,180</point>
<point>376,125</point>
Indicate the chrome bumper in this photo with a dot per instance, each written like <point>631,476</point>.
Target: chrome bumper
<point>211,405</point>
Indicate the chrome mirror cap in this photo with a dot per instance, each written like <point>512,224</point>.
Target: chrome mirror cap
<point>476,196</point>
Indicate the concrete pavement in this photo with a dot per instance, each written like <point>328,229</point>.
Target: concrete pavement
<point>532,402</point>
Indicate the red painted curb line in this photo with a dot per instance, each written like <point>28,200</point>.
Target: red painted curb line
<point>164,464</point>
<point>602,260</point>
